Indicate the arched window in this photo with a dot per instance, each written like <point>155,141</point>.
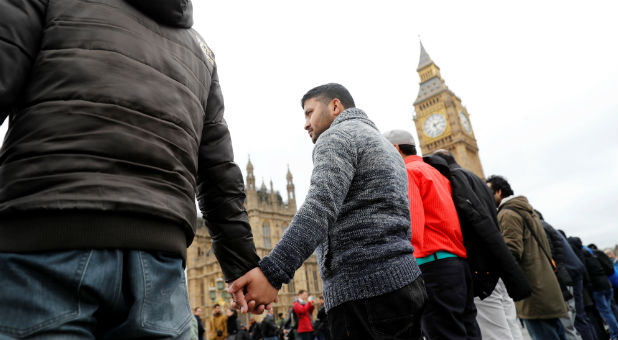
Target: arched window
<point>266,234</point>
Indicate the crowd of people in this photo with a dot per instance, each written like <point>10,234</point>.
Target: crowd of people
<point>116,125</point>
<point>298,324</point>
<point>486,262</point>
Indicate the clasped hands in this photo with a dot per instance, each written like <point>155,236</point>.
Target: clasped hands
<point>252,292</point>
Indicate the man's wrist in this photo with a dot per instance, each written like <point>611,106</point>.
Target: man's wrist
<point>275,276</point>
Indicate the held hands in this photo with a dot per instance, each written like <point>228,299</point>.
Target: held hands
<point>252,292</point>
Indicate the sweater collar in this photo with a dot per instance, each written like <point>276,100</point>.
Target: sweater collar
<point>353,113</point>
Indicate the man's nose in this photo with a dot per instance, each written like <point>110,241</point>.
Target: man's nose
<point>307,124</point>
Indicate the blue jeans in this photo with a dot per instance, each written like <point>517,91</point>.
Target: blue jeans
<point>545,329</point>
<point>602,300</point>
<point>88,294</point>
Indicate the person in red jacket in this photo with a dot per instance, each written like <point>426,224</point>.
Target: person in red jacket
<point>438,247</point>
<point>303,307</point>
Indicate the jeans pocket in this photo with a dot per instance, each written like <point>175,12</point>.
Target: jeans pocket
<point>165,307</point>
<point>39,290</point>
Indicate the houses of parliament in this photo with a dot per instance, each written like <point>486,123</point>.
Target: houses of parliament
<point>441,122</point>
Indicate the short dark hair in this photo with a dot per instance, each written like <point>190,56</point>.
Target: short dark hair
<point>327,92</point>
<point>216,305</point>
<point>407,149</point>
<point>500,183</point>
<point>301,291</point>
<point>593,246</point>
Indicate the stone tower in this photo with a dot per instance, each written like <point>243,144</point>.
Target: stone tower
<point>269,216</point>
<point>442,122</point>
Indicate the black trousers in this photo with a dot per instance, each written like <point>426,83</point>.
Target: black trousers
<point>450,313</point>
<point>394,315</point>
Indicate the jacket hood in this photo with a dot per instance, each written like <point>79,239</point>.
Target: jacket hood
<point>176,13</point>
<point>575,242</point>
<point>519,203</point>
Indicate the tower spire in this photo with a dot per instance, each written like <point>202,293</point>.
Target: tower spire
<point>291,191</point>
<point>250,177</point>
<point>424,59</point>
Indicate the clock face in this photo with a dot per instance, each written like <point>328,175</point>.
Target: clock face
<point>434,125</point>
<point>465,122</point>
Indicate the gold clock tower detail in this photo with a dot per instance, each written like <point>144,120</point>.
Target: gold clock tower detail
<point>441,121</point>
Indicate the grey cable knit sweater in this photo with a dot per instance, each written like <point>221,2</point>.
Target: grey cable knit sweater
<point>356,216</point>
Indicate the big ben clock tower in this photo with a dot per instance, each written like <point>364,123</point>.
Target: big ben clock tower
<point>441,121</point>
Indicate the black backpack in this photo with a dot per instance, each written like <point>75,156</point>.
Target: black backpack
<point>606,263</point>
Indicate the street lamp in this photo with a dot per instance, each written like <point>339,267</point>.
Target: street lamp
<point>220,284</point>
<point>213,294</point>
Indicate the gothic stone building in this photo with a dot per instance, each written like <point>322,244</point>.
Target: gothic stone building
<point>269,216</point>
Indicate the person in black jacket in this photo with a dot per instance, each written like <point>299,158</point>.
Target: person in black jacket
<point>268,327</point>
<point>559,250</point>
<point>496,274</point>
<point>197,313</point>
<point>577,272</point>
<point>600,285</point>
<point>116,124</point>
<point>320,326</point>
<point>232,324</point>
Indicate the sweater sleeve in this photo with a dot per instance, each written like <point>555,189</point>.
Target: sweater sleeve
<point>21,26</point>
<point>334,158</point>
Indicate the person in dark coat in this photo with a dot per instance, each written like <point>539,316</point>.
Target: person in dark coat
<point>116,125</point>
<point>558,250</point>
<point>232,324</point>
<point>489,258</point>
<point>268,327</point>
<point>197,313</point>
<point>577,272</point>
<point>600,286</point>
<point>476,207</point>
<point>320,325</point>
<point>525,237</point>
<point>255,330</point>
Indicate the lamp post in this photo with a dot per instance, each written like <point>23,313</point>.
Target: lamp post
<point>224,296</point>
<point>213,294</point>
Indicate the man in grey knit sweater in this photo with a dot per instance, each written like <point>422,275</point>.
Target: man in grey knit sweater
<point>356,217</point>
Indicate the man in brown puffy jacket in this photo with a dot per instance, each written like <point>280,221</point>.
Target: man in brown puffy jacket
<point>116,124</point>
<point>217,325</point>
<point>525,237</point>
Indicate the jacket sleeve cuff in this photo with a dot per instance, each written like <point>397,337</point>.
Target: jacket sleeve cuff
<point>273,273</point>
<point>236,257</point>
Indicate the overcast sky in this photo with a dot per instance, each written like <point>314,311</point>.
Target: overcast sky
<point>539,80</point>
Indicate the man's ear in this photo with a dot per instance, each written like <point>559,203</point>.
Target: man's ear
<point>335,107</point>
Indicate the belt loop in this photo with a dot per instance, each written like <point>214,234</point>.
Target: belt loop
<point>435,257</point>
